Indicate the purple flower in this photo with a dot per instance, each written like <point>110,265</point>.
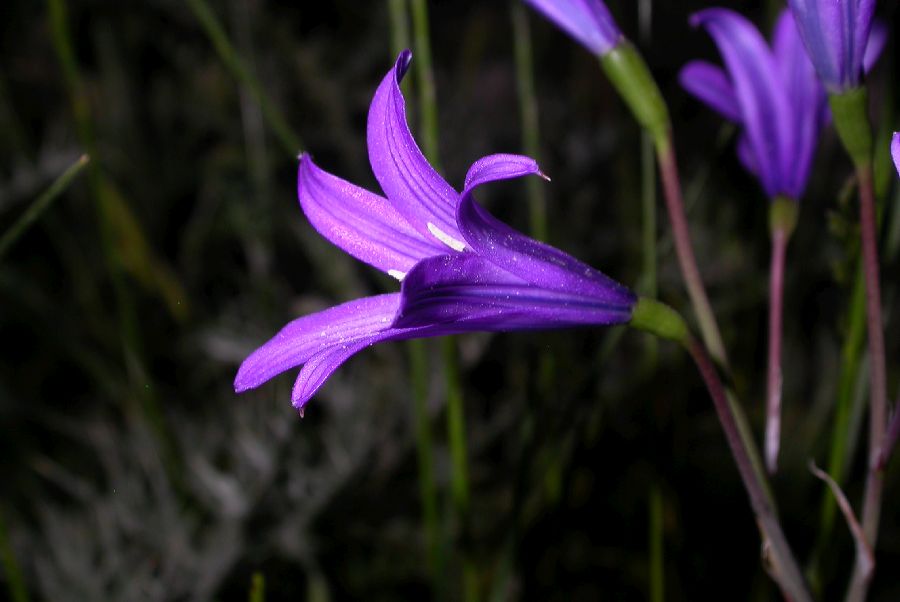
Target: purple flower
<point>772,93</point>
<point>461,269</point>
<point>588,21</point>
<point>837,36</point>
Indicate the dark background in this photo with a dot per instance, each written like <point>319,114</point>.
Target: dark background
<point>131,471</point>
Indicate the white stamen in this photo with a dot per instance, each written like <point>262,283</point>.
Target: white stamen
<point>446,238</point>
<point>397,274</point>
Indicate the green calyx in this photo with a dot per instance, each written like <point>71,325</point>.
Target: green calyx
<point>659,319</point>
<point>630,75</point>
<point>850,110</point>
<point>783,215</point>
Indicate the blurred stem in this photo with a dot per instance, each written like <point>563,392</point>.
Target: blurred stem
<point>782,220</point>
<point>289,140</point>
<point>785,570</point>
<point>37,208</point>
<point>537,205</point>
<point>418,360</point>
<point>15,583</point>
<point>851,120</point>
<point>663,321</point>
<point>649,277</point>
<point>425,76</point>
<point>709,329</point>
<point>893,433</point>
<point>459,478</point>
<point>851,355</point>
<point>657,538</point>
<point>871,509</point>
<point>257,588</point>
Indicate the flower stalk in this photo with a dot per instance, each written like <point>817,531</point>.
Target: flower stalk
<point>850,111</point>
<point>663,321</point>
<point>782,221</point>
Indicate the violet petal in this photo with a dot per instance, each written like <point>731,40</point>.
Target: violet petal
<point>363,224</point>
<point>411,184</point>
<point>709,83</point>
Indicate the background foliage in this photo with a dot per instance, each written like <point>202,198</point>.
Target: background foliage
<point>132,471</point>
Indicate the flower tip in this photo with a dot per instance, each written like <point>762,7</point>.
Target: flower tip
<point>541,174</point>
<point>402,64</point>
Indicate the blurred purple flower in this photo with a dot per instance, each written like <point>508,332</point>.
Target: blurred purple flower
<point>836,34</point>
<point>588,21</point>
<point>895,150</point>
<point>461,269</point>
<point>772,93</point>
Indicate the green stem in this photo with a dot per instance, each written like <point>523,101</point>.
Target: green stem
<point>15,583</point>
<point>418,360</point>
<point>425,457</point>
<point>233,62</point>
<point>425,76</point>
<point>851,120</point>
<point>537,205</point>
<point>456,431</point>
<point>37,208</point>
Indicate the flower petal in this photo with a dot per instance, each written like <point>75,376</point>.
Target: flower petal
<point>535,262</point>
<point>363,224</point>
<point>322,365</point>
<point>410,183</point>
<point>302,339</point>
<point>501,167</point>
<point>709,83</point>
<point>465,292</point>
<point>895,150</point>
<point>588,21</point>
<point>807,101</point>
<point>821,26</point>
<point>877,41</point>
<point>763,102</point>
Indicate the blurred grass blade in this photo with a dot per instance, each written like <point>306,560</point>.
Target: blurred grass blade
<point>257,588</point>
<point>418,365</point>
<point>41,204</point>
<point>528,108</point>
<point>15,583</point>
<point>126,248</point>
<point>657,540</point>
<point>289,140</point>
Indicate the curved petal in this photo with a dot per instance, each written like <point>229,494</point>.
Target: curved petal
<point>302,339</point>
<point>709,83</point>
<point>363,224</point>
<point>411,184</point>
<point>321,366</point>
<point>501,167</point>
<point>467,292</point>
<point>763,102</point>
<point>588,21</point>
<point>807,101</point>
<point>534,262</point>
<point>895,150</point>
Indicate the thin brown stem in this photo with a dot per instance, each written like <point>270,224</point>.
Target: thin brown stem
<point>773,373</point>
<point>709,329</point>
<point>784,568</point>
<point>871,509</point>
